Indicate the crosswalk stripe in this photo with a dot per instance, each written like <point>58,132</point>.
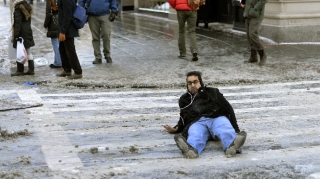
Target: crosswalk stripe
<point>51,152</point>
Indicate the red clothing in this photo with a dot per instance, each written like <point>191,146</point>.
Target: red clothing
<point>180,5</point>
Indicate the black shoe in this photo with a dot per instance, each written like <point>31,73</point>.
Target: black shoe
<point>53,66</point>
<point>97,61</point>
<point>195,58</point>
<point>109,59</point>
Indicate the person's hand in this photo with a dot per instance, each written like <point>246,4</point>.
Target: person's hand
<point>170,129</point>
<point>19,39</point>
<point>62,37</point>
<point>242,5</point>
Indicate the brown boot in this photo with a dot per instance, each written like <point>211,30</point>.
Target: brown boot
<point>263,57</point>
<point>253,58</point>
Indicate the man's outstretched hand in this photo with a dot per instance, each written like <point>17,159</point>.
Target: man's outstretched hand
<point>170,129</point>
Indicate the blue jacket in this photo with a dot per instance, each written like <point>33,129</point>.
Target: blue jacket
<point>66,25</point>
<point>99,7</point>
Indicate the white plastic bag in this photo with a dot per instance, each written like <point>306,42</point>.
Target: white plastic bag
<point>22,56</point>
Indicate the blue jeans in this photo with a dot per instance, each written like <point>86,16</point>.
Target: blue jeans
<point>205,128</point>
<point>55,46</point>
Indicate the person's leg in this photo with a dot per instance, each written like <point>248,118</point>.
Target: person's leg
<point>30,63</point>
<point>253,52</point>
<point>191,21</point>
<point>64,57</point>
<point>221,127</point>
<point>106,26</point>
<point>29,52</point>
<point>55,46</point>
<point>181,39</point>
<point>198,135</point>
<point>254,28</point>
<point>94,25</point>
<point>253,34</point>
<point>247,24</point>
<point>72,55</point>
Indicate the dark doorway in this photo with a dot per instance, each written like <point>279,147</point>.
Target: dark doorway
<point>216,11</point>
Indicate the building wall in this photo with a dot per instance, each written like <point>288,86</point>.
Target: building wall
<point>292,21</point>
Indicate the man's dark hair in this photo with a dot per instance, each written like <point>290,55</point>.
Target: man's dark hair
<point>196,73</point>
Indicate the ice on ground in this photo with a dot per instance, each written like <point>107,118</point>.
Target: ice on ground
<point>41,62</point>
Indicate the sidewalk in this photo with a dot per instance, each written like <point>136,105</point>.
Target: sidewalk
<point>144,51</point>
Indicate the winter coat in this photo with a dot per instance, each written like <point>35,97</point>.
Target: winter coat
<point>22,24</point>
<point>180,5</point>
<point>66,25</point>
<point>254,9</point>
<point>99,7</point>
<point>51,20</point>
<point>208,102</point>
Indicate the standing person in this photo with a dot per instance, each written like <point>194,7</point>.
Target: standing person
<point>67,32</point>
<point>51,24</point>
<point>21,27</point>
<point>254,14</point>
<point>99,12</point>
<point>205,114</point>
<point>5,2</point>
<point>188,14</point>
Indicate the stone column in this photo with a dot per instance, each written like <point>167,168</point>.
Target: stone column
<point>292,21</point>
<point>136,5</point>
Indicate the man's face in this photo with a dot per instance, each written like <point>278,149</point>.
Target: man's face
<point>193,84</point>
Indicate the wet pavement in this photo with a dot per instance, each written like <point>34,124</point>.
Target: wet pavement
<point>108,124</point>
<point>119,134</point>
<point>144,52</point>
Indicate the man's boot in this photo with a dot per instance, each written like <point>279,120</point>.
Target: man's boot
<point>19,71</point>
<point>253,58</point>
<point>236,144</point>
<point>263,57</point>
<point>195,57</point>
<point>187,150</point>
<point>30,68</point>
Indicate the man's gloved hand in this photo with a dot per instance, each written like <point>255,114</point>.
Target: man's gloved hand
<point>112,16</point>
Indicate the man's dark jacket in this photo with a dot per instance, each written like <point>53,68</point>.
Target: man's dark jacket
<point>208,102</point>
<point>66,25</point>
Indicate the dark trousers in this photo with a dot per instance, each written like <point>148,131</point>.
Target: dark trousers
<point>252,27</point>
<point>69,56</point>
